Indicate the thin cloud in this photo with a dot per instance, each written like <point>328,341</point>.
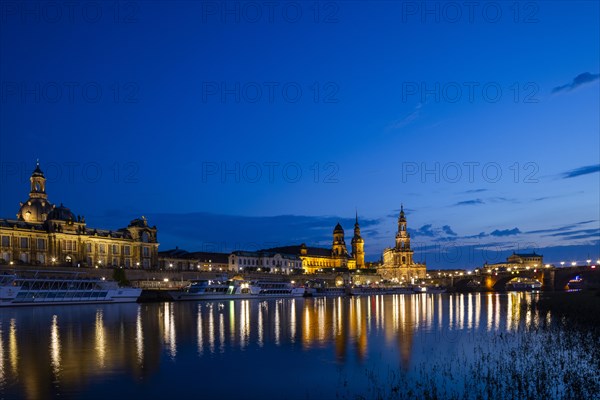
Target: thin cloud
<point>591,232</point>
<point>476,191</point>
<point>448,231</point>
<point>561,228</point>
<point>470,202</point>
<point>407,119</point>
<point>426,230</point>
<point>589,169</point>
<point>579,80</point>
<point>505,232</point>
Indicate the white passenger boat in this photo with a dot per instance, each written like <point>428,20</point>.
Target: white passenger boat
<point>436,289</point>
<point>236,289</point>
<point>523,284</point>
<point>21,291</point>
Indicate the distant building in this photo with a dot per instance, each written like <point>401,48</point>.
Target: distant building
<point>264,261</point>
<point>181,260</point>
<point>317,258</point>
<point>521,260</point>
<point>46,234</point>
<point>398,263</point>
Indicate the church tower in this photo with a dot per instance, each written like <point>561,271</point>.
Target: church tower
<point>403,240</point>
<point>358,246</point>
<point>38,183</point>
<point>37,207</point>
<point>402,237</point>
<point>339,244</point>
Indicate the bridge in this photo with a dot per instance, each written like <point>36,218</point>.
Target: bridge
<point>552,278</point>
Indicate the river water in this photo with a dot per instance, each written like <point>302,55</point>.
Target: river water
<point>391,346</point>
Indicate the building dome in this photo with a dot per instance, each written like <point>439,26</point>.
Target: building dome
<point>37,171</point>
<point>61,213</point>
<point>338,229</point>
<point>34,210</point>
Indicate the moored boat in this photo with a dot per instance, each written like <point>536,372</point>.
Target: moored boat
<point>22,291</point>
<point>576,283</point>
<point>236,289</point>
<point>523,284</point>
<point>436,289</point>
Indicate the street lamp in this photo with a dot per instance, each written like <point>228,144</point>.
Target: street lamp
<point>562,263</point>
<point>573,263</point>
<point>588,261</point>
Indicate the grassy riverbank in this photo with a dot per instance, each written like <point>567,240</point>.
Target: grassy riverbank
<point>552,354</point>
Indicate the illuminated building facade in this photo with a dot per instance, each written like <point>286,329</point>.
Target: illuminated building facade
<point>519,260</point>
<point>398,263</point>
<point>318,258</point>
<point>264,261</point>
<point>46,234</point>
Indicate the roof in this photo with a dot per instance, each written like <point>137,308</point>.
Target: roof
<point>310,251</point>
<point>266,253</point>
<point>173,253</point>
<point>534,254</point>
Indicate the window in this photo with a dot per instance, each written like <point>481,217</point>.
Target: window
<point>24,243</point>
<point>115,261</point>
<point>146,263</point>
<point>127,250</point>
<point>89,247</point>
<point>127,263</point>
<point>102,248</point>
<point>41,244</point>
<point>69,245</point>
<point>146,252</point>
<point>5,241</point>
<point>115,249</point>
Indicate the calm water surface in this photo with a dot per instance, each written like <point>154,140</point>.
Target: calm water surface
<point>292,348</point>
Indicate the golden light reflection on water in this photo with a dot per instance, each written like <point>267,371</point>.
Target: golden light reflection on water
<point>55,346</point>
<point>277,325</point>
<point>200,331</point>
<point>211,328</point>
<point>169,331</point>
<point>100,340</point>
<point>244,323</point>
<point>293,320</point>
<point>349,326</point>
<point>139,337</point>
<point>260,328</point>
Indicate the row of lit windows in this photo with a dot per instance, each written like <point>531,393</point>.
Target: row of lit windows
<point>23,242</point>
<point>71,246</point>
<point>253,261</point>
<point>68,245</point>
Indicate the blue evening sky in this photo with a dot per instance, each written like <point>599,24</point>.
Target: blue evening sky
<point>250,124</point>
